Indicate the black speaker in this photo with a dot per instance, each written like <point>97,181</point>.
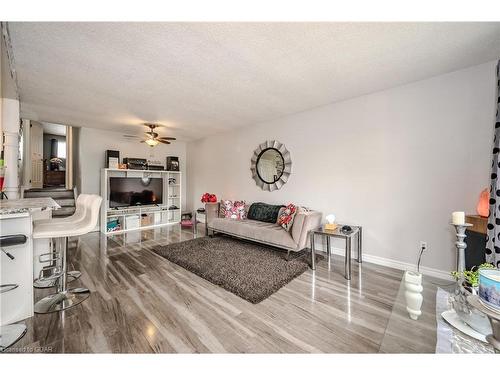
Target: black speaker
<point>115,158</point>
<point>173,163</point>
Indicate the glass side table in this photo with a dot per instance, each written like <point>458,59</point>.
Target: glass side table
<point>357,231</point>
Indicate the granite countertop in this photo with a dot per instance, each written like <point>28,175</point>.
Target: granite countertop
<point>17,206</point>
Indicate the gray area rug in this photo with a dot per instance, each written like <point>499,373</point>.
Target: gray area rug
<point>249,270</point>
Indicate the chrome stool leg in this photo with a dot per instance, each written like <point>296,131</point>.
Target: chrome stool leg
<point>44,282</point>
<point>64,298</point>
<point>53,269</point>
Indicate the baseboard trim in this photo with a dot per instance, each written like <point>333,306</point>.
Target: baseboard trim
<point>440,274</point>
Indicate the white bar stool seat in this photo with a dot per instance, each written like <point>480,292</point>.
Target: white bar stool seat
<point>66,298</point>
<point>78,215</point>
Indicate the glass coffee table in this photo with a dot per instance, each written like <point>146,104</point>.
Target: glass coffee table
<point>430,333</point>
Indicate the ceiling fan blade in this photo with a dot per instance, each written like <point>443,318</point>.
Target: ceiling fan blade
<point>162,141</point>
<point>143,141</point>
<point>168,138</point>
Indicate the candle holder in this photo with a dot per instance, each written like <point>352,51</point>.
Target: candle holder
<point>461,246</point>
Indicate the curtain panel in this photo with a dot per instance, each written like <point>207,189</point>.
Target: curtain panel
<point>493,235</point>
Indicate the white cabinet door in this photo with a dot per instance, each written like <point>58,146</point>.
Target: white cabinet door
<point>17,304</point>
<point>36,145</point>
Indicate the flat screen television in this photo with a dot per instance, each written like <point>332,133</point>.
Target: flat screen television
<point>134,191</point>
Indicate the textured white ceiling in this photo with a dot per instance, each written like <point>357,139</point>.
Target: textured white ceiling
<point>200,78</point>
<point>56,129</point>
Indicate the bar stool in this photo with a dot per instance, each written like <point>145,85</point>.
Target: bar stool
<point>53,257</point>
<point>11,333</point>
<point>66,298</point>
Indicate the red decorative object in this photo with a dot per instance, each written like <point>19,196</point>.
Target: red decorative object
<point>483,206</point>
<point>186,223</point>
<point>208,198</point>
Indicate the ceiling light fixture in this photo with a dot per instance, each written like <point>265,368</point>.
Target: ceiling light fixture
<point>151,142</point>
<point>153,138</point>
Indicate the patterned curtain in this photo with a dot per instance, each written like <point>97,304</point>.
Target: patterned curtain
<point>493,236</point>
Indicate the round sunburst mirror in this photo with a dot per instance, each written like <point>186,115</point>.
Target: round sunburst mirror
<point>271,165</point>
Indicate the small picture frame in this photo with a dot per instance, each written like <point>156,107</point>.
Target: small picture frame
<point>173,163</point>
<point>113,162</point>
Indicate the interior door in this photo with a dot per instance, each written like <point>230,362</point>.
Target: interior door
<point>36,148</point>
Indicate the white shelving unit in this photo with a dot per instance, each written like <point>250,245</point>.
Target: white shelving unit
<point>119,220</point>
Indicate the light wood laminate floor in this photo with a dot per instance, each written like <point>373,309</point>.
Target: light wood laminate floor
<point>142,303</point>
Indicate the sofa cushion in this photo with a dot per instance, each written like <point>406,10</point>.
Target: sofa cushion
<point>269,233</point>
<point>267,213</point>
<point>280,212</point>
<point>286,217</point>
<point>233,210</point>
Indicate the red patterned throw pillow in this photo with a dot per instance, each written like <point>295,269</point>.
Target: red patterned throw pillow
<point>233,210</point>
<point>287,216</point>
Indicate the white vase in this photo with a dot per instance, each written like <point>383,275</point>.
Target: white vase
<point>413,293</point>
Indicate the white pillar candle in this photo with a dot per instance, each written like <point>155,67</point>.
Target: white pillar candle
<point>458,218</point>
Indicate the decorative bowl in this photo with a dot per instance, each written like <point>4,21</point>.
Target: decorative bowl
<point>489,288</point>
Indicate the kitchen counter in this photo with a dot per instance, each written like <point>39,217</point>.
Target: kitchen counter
<point>17,206</point>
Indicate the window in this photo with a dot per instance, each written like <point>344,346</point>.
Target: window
<point>61,149</point>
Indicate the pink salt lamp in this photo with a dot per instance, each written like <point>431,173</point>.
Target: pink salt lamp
<point>483,206</point>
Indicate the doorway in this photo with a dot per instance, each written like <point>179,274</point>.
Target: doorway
<point>54,155</point>
<point>49,159</point>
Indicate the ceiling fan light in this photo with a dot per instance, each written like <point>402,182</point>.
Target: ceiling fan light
<point>151,142</point>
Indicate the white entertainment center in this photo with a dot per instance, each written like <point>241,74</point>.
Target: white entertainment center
<point>123,219</point>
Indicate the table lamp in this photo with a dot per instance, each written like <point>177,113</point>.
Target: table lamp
<point>330,222</point>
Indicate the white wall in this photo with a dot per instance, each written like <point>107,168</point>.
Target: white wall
<point>397,162</point>
<point>91,145</point>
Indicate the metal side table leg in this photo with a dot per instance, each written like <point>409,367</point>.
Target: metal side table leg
<point>360,245</point>
<point>328,251</point>
<point>348,241</point>
<point>313,255</point>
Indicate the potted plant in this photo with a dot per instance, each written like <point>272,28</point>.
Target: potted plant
<point>471,278</point>
<point>55,163</point>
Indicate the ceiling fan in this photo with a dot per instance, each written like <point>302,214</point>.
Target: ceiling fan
<point>153,138</point>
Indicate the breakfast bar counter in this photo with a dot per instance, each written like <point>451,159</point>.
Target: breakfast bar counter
<point>30,205</point>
